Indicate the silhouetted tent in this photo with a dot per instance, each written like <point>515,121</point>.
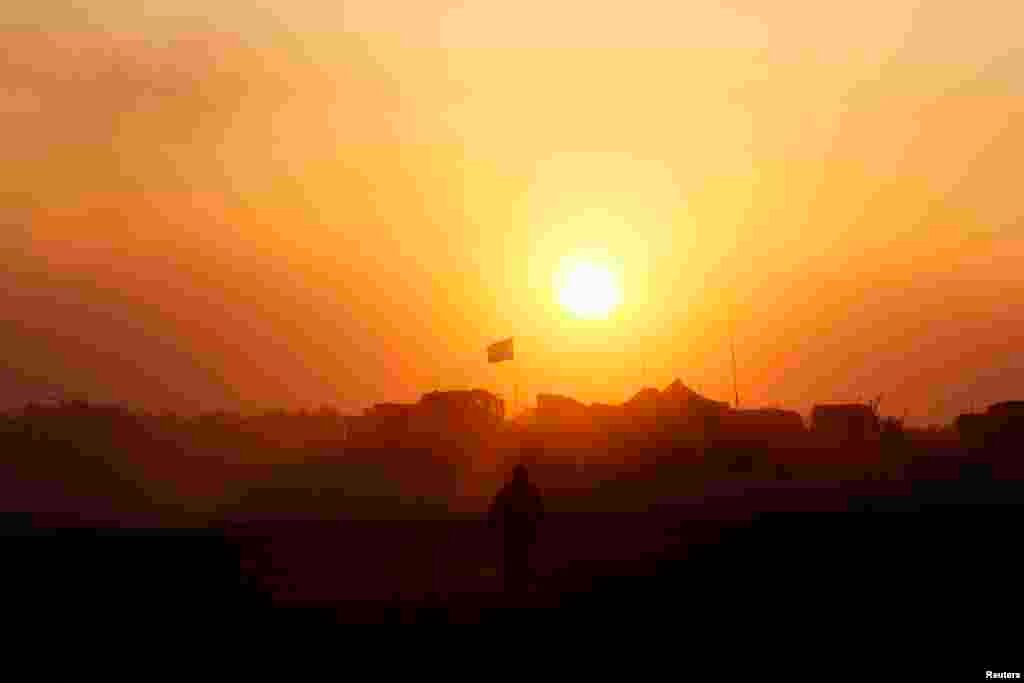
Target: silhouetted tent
<point>560,411</point>
<point>845,422</point>
<point>686,414</point>
<point>679,401</point>
<point>604,414</point>
<point>643,405</point>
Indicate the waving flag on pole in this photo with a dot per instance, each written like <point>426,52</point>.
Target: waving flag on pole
<point>500,351</point>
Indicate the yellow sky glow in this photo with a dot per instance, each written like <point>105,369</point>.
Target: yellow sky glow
<point>312,202</point>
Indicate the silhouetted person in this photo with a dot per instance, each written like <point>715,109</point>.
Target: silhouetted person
<point>515,512</point>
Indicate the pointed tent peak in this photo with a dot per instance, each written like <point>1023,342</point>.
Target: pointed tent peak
<point>645,395</point>
<point>678,388</point>
<point>679,393</point>
<point>646,403</point>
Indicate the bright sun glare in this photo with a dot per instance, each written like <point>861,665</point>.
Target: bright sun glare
<point>588,290</point>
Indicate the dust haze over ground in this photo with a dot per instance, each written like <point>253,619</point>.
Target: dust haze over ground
<point>283,519</point>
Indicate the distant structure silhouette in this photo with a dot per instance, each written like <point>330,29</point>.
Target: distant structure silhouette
<point>763,426</point>
<point>556,411</point>
<point>1004,427</point>
<point>845,423</point>
<point>73,465</point>
<point>474,411</point>
<point>516,510</point>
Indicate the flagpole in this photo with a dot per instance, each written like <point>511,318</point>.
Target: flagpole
<point>516,377</point>
<point>732,349</point>
<point>515,404</point>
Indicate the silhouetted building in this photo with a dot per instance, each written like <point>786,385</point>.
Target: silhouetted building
<point>675,412</point>
<point>845,423</point>
<point>475,409</point>
<point>384,422</point>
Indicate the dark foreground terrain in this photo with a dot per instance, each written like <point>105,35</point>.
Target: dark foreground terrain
<point>887,559</point>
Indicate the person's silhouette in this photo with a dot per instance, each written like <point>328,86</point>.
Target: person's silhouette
<point>515,511</point>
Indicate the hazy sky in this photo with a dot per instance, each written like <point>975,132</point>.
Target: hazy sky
<point>250,205</point>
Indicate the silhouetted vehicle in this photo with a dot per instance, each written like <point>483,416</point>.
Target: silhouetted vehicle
<point>516,510</point>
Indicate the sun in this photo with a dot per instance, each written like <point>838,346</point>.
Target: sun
<point>588,289</point>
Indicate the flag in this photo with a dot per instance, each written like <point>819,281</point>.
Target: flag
<point>500,351</point>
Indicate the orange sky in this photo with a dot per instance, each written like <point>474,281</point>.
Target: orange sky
<point>297,204</point>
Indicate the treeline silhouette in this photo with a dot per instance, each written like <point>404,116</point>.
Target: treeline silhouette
<point>82,464</point>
